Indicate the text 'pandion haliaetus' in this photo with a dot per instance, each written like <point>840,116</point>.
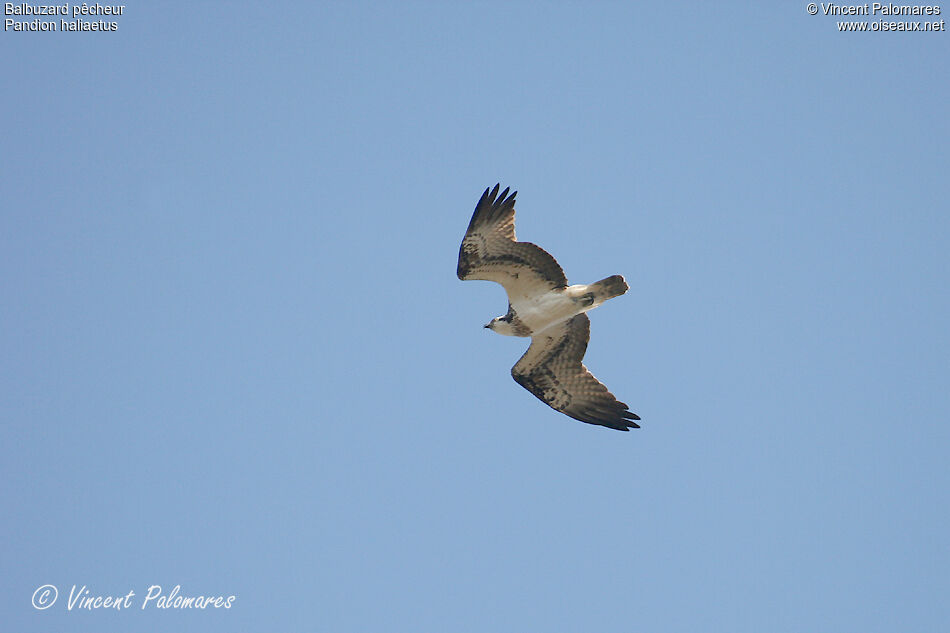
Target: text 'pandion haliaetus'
<point>541,305</point>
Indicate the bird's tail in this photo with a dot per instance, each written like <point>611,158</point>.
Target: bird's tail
<point>612,286</point>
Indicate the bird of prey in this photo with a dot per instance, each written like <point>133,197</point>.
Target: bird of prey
<point>541,305</point>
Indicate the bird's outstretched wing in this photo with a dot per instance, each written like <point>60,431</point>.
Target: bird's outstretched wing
<point>489,251</point>
<point>552,370</point>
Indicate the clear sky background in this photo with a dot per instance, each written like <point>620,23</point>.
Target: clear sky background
<point>236,357</point>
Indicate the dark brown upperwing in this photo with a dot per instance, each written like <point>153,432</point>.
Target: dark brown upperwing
<point>489,250</point>
<point>552,370</point>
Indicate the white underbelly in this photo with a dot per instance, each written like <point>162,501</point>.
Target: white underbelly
<point>541,312</point>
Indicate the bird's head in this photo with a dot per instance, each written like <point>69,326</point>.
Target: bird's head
<point>501,325</point>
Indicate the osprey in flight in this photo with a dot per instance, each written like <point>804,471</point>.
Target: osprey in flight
<point>541,305</point>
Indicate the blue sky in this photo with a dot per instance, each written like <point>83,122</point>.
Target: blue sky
<point>236,358</point>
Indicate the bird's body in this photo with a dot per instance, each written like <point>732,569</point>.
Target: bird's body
<point>537,313</point>
<point>543,306</point>
<point>540,312</point>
